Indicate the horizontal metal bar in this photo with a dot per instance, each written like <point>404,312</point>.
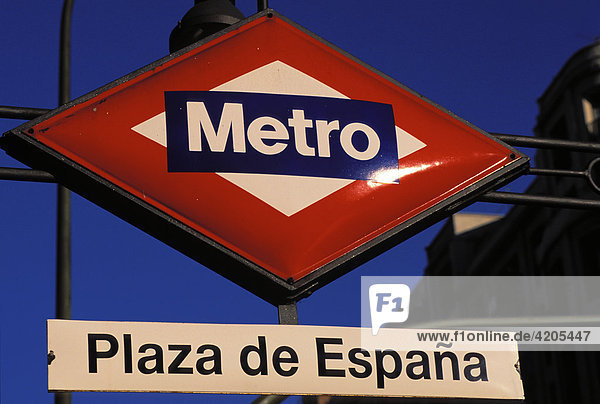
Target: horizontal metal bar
<point>21,112</point>
<point>540,200</point>
<point>546,143</point>
<point>555,171</point>
<point>25,174</point>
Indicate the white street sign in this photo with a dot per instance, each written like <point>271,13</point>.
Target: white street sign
<point>259,359</point>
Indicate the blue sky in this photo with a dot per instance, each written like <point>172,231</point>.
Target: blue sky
<point>486,61</point>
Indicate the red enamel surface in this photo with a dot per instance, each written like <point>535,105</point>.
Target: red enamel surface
<point>97,135</point>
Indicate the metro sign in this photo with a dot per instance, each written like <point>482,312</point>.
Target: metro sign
<point>268,155</point>
<point>262,147</point>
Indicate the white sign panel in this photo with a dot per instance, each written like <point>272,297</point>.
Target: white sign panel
<point>279,359</point>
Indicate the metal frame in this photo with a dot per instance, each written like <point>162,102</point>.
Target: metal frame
<point>200,247</point>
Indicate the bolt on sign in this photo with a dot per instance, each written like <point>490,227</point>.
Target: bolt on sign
<point>232,358</point>
<point>268,155</point>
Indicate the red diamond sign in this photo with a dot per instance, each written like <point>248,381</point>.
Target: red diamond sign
<point>268,155</point>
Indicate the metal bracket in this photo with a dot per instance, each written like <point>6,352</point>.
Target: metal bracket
<point>288,313</point>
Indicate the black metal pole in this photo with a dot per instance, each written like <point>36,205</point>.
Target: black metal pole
<point>63,217</point>
<point>262,5</point>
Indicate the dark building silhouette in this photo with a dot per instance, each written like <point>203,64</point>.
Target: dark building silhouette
<point>532,240</point>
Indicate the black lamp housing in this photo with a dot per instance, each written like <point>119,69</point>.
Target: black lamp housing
<point>207,17</point>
